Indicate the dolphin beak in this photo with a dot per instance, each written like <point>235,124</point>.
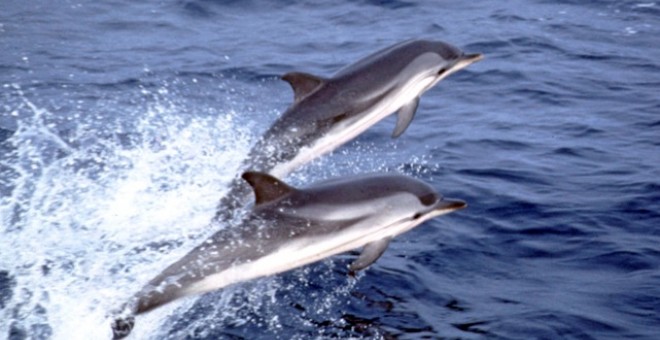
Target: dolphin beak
<point>465,60</point>
<point>449,205</point>
<point>471,58</point>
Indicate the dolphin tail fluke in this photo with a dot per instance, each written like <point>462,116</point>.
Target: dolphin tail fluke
<point>123,321</point>
<point>122,326</point>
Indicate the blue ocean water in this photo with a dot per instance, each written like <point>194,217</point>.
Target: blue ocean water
<point>122,122</point>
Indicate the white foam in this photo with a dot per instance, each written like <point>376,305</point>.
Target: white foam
<point>90,219</point>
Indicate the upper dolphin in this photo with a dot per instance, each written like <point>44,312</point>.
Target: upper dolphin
<point>328,112</point>
<point>291,227</point>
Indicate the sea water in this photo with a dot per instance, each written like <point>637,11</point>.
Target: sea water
<point>122,123</point>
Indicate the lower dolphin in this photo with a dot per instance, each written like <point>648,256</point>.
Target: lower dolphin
<point>289,228</point>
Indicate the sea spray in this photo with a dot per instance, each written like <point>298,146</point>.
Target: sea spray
<point>90,214</point>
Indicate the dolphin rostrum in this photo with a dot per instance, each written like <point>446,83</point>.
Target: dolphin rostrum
<point>289,228</point>
<point>328,112</point>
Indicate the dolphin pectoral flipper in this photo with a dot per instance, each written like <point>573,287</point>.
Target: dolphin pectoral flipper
<point>302,83</point>
<point>371,252</point>
<point>405,115</point>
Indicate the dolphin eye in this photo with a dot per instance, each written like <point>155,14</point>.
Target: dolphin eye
<point>442,70</point>
<point>416,216</point>
<point>428,199</point>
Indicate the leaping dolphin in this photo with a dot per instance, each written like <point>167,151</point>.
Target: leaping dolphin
<point>328,112</point>
<point>289,228</point>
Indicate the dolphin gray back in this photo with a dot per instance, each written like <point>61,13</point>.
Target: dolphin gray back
<point>343,192</point>
<point>395,58</point>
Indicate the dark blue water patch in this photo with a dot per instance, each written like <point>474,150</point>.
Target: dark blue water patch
<point>566,151</point>
<point>536,45</point>
<point>541,325</point>
<point>594,56</point>
<point>553,230</point>
<point>501,76</point>
<point>16,71</point>
<point>648,111</point>
<point>116,24</point>
<point>531,219</point>
<point>521,246</point>
<point>466,80</point>
<point>506,175</point>
<point>401,318</point>
<point>198,9</point>
<point>496,49</point>
<point>643,215</point>
<point>588,158</point>
<point>506,144</point>
<point>644,197</point>
<point>624,261</point>
<point>4,135</point>
<point>640,300</point>
<point>507,17</point>
<point>7,284</point>
<point>578,3</point>
<point>214,9</point>
<point>475,327</point>
<point>543,96</point>
<point>435,29</point>
<point>467,260</point>
<point>581,130</point>
<point>388,4</point>
<point>575,326</point>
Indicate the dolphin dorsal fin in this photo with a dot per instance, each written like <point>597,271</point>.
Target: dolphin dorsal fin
<point>266,187</point>
<point>302,83</point>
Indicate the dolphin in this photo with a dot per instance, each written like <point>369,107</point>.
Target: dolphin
<point>328,112</point>
<point>291,227</point>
